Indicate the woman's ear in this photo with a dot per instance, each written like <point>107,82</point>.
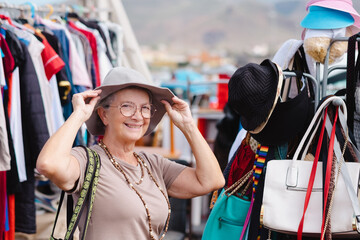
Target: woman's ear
<point>103,115</point>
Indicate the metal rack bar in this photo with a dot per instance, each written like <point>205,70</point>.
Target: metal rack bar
<point>47,8</point>
<point>207,83</point>
<point>313,79</point>
<point>327,70</point>
<point>36,8</point>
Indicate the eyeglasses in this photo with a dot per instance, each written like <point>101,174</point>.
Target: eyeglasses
<point>129,109</point>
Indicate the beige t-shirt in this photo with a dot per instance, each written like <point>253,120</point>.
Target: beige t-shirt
<point>118,212</point>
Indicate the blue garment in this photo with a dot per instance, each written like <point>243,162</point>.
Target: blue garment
<point>3,32</point>
<point>7,226</point>
<point>64,42</point>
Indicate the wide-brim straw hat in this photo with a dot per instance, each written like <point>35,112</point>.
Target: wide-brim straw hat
<point>119,78</point>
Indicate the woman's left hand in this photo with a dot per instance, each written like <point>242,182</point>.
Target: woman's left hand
<point>179,112</point>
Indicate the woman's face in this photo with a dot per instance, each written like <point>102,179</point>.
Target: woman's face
<point>130,128</point>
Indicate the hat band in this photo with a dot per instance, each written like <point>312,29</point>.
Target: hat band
<point>277,96</point>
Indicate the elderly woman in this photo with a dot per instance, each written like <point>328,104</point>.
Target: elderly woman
<point>131,200</point>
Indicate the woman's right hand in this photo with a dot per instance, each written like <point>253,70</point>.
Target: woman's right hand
<point>85,102</point>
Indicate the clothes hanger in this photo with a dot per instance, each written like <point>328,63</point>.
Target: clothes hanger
<point>50,12</point>
<point>73,16</point>
<point>32,8</point>
<point>25,19</point>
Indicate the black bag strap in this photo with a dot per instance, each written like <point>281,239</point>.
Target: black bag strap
<point>351,79</point>
<point>69,209</point>
<point>87,195</point>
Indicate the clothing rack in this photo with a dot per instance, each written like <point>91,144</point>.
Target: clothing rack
<point>49,8</point>
<point>312,78</point>
<point>132,54</point>
<point>31,7</point>
<point>328,70</point>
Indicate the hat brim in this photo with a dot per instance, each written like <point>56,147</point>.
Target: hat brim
<point>326,18</point>
<point>278,91</point>
<point>340,6</point>
<point>96,127</point>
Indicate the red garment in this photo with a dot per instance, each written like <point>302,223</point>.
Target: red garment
<point>8,60</point>
<point>10,235</point>
<point>243,163</point>
<point>52,62</point>
<point>2,203</point>
<point>4,17</point>
<point>93,45</point>
<point>9,85</point>
<point>9,65</point>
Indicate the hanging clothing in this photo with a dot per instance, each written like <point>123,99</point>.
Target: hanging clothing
<point>14,108</point>
<point>285,54</point>
<point>116,33</point>
<point>243,163</point>
<point>236,144</point>
<point>77,68</point>
<point>63,83</point>
<point>93,24</point>
<point>51,60</point>
<point>35,49</point>
<point>35,136</point>
<point>4,142</point>
<point>42,67</point>
<point>93,44</point>
<point>107,40</point>
<point>3,196</point>
<point>86,48</point>
<point>16,125</point>
<point>104,62</point>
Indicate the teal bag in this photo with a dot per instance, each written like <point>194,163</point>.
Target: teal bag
<point>227,218</point>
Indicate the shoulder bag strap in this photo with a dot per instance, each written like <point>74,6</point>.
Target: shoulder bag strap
<point>60,205</point>
<point>328,170</point>
<point>312,178</point>
<point>89,186</point>
<point>345,172</point>
<point>312,128</point>
<point>94,183</point>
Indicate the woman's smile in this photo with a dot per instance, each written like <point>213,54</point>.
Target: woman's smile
<point>133,126</point>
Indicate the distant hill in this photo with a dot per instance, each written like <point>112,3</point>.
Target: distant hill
<point>236,26</point>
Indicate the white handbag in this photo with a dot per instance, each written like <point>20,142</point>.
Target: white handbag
<point>286,184</point>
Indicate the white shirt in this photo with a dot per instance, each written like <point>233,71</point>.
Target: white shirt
<point>239,138</point>
<point>4,141</point>
<point>16,126</point>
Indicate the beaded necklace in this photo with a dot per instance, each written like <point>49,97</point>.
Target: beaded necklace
<point>142,163</point>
